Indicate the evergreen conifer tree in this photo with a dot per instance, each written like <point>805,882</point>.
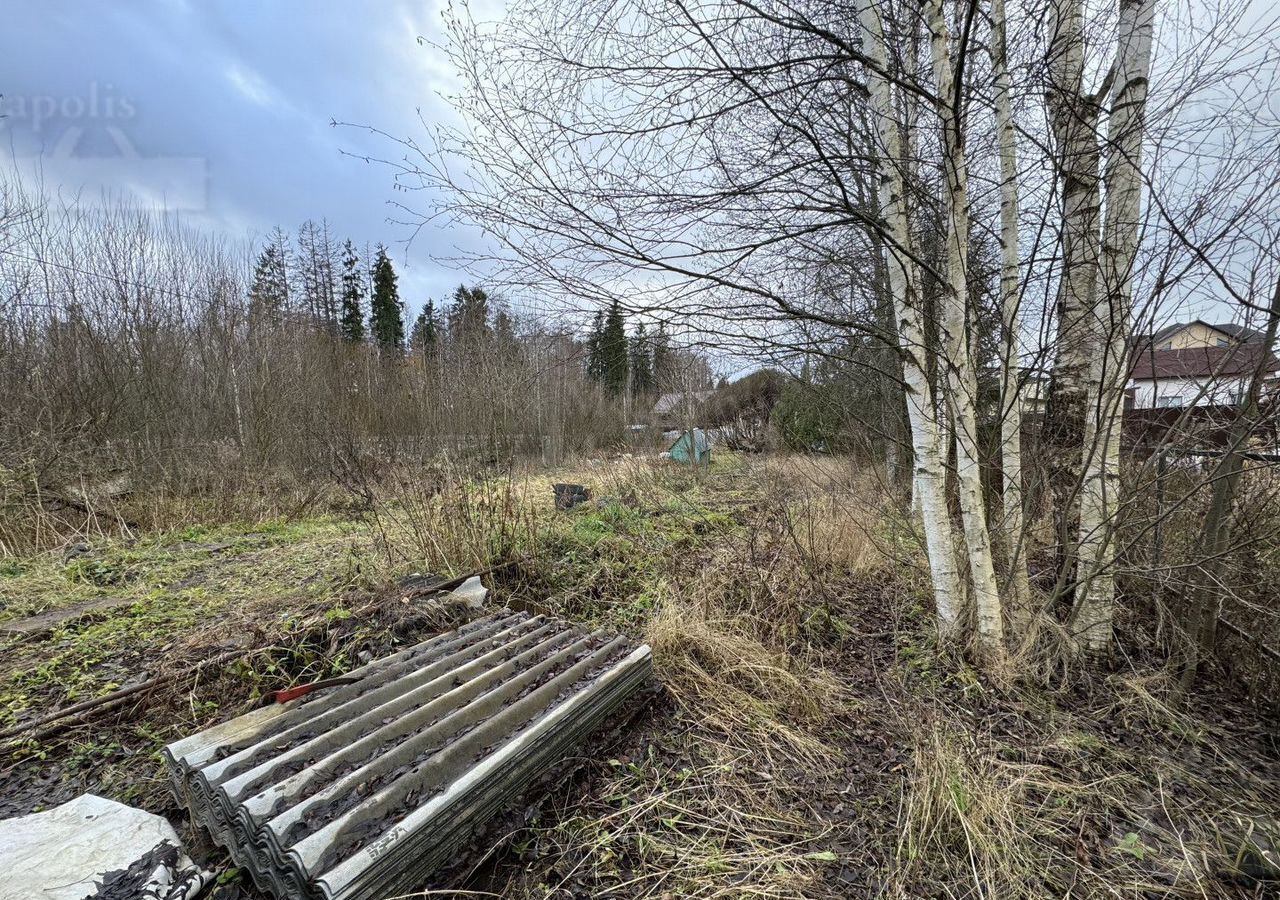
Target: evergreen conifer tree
<point>469,314</point>
<point>504,329</point>
<point>425,335</point>
<point>351,319</point>
<point>613,351</point>
<point>269,292</point>
<point>595,365</point>
<point>386,314</point>
<point>641,364</point>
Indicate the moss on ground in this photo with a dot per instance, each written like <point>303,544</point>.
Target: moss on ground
<point>178,591</point>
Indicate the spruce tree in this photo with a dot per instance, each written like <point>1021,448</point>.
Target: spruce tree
<point>469,314</point>
<point>641,365</point>
<point>269,292</point>
<point>352,317</point>
<point>613,351</point>
<point>425,335</point>
<point>504,329</point>
<point>386,314</point>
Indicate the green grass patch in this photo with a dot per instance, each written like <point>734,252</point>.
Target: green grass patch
<point>177,590</point>
<point>608,563</point>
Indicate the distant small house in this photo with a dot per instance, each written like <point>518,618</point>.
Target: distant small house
<point>1197,364</point>
<point>692,448</point>
<point>679,407</point>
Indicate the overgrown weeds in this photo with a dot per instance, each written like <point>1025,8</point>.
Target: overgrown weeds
<point>1116,792</point>
<point>88,500</point>
<point>448,517</point>
<point>813,739</point>
<point>664,824</point>
<point>744,785</point>
<point>754,696</point>
<point>262,593</point>
<point>995,823</point>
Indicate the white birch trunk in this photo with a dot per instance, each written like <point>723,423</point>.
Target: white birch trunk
<point>1074,125</point>
<point>961,379</point>
<point>1095,576</point>
<point>1075,133</point>
<point>909,167</point>
<point>235,402</point>
<point>929,479</point>
<point>1010,296</point>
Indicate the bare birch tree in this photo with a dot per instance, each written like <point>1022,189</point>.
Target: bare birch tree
<point>1110,321</point>
<point>930,477</point>
<point>1074,117</point>
<point>1011,398</point>
<point>957,327</point>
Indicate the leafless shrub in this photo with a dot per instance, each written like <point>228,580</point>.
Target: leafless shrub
<point>129,347</point>
<point>450,518</point>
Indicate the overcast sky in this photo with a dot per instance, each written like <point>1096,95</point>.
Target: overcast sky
<point>222,110</point>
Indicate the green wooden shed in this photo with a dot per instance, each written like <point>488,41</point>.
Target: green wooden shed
<point>692,447</point>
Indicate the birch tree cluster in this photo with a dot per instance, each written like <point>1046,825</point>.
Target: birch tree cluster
<point>981,207</point>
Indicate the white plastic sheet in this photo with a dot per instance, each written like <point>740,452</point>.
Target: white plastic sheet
<point>470,593</point>
<point>91,847</point>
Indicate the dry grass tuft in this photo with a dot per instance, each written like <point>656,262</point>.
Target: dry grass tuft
<point>449,518</point>
<point>664,828</point>
<point>1041,796</point>
<point>974,822</point>
<point>715,666</point>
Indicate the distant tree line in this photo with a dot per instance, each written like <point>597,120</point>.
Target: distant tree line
<point>358,299</point>
<point>329,286</point>
<point>336,289</point>
<point>197,367</point>
<point>643,364</point>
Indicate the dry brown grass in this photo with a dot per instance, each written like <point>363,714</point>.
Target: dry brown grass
<point>662,827</point>
<point>814,472</point>
<point>715,802</point>
<point>831,530</point>
<point>758,697</point>
<point>1121,795</point>
<point>448,517</point>
<point>974,822</point>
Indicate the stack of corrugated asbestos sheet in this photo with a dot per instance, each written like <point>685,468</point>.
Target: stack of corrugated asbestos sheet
<point>364,790</point>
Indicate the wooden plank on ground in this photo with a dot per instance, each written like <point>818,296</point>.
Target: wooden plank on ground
<point>50,619</point>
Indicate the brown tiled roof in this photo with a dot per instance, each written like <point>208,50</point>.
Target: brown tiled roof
<point>1201,362</point>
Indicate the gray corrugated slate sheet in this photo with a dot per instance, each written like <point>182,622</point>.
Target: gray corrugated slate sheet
<point>365,790</point>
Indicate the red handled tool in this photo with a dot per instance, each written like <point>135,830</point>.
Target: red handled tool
<point>302,690</point>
